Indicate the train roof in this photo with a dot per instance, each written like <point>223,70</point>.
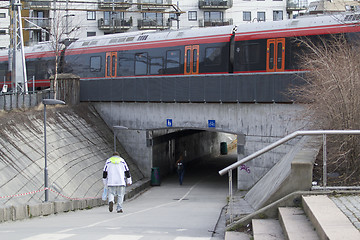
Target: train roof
<point>303,25</point>
<point>150,36</point>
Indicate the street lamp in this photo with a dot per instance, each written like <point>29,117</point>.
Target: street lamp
<point>117,128</point>
<point>47,102</point>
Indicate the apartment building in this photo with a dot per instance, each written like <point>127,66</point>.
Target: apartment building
<point>43,19</point>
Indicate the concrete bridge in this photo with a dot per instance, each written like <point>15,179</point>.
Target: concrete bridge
<point>166,116</point>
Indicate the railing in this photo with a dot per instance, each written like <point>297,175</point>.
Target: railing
<point>20,100</point>
<point>278,143</point>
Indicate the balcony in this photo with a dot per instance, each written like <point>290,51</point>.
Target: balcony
<point>215,4</point>
<point>296,5</point>
<point>114,24</point>
<point>215,22</point>
<point>37,23</point>
<point>146,24</point>
<point>37,4</point>
<point>116,4</point>
<point>154,4</point>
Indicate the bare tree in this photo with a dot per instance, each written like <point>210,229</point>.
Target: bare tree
<point>331,94</point>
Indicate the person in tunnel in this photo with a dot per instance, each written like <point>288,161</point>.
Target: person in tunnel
<point>180,166</point>
<point>116,176</point>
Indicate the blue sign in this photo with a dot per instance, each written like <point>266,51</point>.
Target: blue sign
<point>169,122</point>
<point>211,123</point>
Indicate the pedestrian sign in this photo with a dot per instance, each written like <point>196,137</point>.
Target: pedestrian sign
<point>169,122</point>
<point>211,123</point>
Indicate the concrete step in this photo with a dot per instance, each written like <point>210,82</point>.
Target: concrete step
<point>267,229</point>
<point>295,224</point>
<point>236,236</point>
<point>328,220</point>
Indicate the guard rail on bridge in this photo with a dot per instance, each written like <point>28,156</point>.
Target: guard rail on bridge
<point>324,133</point>
<point>20,100</point>
<point>210,88</point>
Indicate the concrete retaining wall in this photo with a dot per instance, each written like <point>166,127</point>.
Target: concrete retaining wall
<point>24,211</point>
<point>292,173</point>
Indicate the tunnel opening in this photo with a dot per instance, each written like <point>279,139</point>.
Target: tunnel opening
<point>204,152</point>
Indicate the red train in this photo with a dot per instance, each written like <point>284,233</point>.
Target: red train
<point>248,48</point>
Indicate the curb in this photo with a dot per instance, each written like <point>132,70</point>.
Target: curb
<point>25,211</point>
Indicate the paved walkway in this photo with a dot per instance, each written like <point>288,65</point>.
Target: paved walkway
<point>191,211</point>
<point>350,206</point>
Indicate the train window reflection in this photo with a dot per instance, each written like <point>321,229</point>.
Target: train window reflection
<point>212,56</point>
<point>156,65</point>
<point>141,63</point>
<point>173,61</point>
<point>95,64</point>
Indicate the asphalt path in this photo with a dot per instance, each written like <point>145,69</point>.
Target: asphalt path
<point>166,212</point>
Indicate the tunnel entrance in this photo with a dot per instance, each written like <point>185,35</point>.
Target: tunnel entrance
<point>196,146</point>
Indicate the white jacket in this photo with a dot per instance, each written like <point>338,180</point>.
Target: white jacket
<point>116,172</point>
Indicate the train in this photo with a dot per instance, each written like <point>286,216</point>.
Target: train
<point>251,48</point>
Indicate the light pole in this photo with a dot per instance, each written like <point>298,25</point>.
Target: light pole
<point>117,128</point>
<point>47,102</point>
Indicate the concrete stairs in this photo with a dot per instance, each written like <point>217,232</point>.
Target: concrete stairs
<point>319,218</point>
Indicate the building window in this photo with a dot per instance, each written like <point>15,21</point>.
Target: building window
<point>91,34</point>
<point>91,15</point>
<point>153,19</point>
<point>261,16</point>
<point>2,15</point>
<point>192,15</point>
<point>246,16</point>
<point>278,15</point>
<point>213,16</point>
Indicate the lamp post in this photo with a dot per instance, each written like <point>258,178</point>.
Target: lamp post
<point>117,128</point>
<point>47,102</point>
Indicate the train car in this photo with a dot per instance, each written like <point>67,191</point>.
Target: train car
<point>40,65</point>
<point>253,48</point>
<point>275,46</point>
<point>193,51</point>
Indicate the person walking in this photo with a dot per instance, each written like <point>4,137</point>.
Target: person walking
<point>116,176</point>
<point>180,168</point>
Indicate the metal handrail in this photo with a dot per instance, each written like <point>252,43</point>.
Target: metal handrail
<point>280,142</point>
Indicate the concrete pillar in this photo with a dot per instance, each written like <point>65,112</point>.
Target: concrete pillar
<point>66,88</point>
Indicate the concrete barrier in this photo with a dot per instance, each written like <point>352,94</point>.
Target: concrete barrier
<point>20,212</point>
<point>23,211</point>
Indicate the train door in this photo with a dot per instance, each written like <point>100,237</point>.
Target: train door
<point>191,62</point>
<point>275,55</point>
<point>111,64</point>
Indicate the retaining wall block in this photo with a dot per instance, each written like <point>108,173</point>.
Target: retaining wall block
<point>63,206</point>
<point>19,212</point>
<point>34,210</point>
<point>47,208</point>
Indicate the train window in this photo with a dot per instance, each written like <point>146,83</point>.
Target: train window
<point>195,58</point>
<point>126,64</point>
<point>212,56</point>
<point>129,39</point>
<point>279,55</point>
<point>85,43</point>
<point>188,61</point>
<point>108,61</point>
<point>271,56</point>
<point>156,65</point>
<point>249,53</point>
<point>95,64</point>
<point>141,62</point>
<point>93,43</point>
<point>173,61</point>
